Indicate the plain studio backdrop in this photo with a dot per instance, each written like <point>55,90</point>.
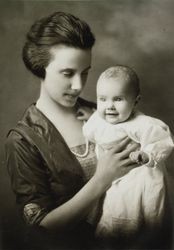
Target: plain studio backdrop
<point>138,33</point>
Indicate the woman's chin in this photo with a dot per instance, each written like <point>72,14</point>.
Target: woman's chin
<point>67,103</point>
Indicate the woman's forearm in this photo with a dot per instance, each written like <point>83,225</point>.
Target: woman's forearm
<point>77,208</point>
<point>113,164</point>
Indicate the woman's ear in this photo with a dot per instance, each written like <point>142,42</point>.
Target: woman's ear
<point>137,99</point>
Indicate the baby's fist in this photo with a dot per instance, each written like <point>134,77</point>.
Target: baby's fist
<point>139,157</point>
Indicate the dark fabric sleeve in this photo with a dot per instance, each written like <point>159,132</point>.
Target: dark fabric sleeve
<point>86,103</point>
<point>29,178</point>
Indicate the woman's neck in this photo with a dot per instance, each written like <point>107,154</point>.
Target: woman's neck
<point>51,109</point>
<point>63,118</point>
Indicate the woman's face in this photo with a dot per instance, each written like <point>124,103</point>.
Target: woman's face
<point>66,74</point>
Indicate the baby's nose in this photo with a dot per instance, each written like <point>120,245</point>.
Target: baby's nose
<point>110,105</point>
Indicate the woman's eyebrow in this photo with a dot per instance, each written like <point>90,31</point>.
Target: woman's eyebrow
<point>71,69</point>
<point>66,69</point>
<point>89,67</point>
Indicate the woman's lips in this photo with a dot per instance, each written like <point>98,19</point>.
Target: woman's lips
<point>71,96</point>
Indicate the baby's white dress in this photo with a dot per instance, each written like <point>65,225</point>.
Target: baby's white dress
<point>139,196</point>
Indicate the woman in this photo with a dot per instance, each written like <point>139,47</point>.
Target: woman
<point>52,168</point>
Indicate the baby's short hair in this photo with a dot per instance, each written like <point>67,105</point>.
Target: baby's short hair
<point>125,72</point>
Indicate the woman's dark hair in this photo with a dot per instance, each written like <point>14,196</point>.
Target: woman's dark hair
<point>58,28</point>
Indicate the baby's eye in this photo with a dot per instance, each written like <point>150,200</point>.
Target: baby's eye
<point>118,99</point>
<point>102,99</point>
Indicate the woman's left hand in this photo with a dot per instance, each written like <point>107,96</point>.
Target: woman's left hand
<point>84,113</point>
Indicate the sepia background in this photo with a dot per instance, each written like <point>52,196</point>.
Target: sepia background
<point>138,33</point>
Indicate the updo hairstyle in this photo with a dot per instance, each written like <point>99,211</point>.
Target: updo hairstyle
<point>58,28</point>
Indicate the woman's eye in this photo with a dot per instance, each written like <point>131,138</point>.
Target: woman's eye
<point>68,74</point>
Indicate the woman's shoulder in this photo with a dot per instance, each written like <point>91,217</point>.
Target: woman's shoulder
<point>14,140</point>
<point>20,135</point>
<point>32,122</point>
<point>18,141</point>
<point>19,151</point>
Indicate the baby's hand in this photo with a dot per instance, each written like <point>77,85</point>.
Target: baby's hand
<point>84,113</point>
<point>139,157</point>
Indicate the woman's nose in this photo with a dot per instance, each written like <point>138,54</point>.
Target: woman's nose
<point>76,83</point>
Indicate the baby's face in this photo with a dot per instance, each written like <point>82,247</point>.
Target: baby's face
<point>115,100</point>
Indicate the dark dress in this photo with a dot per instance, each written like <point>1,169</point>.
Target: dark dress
<point>45,174</point>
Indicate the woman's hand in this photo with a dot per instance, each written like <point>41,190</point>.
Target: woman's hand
<point>84,113</point>
<point>115,162</point>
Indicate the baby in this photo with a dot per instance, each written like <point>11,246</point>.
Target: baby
<point>138,198</point>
